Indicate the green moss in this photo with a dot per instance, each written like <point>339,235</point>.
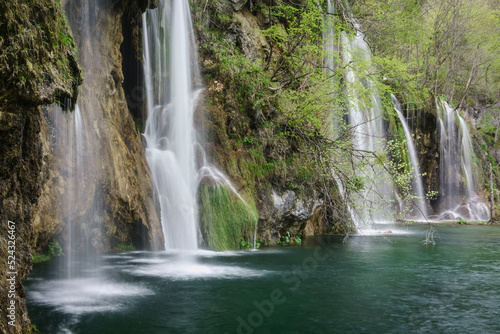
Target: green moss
<point>124,248</point>
<point>226,219</point>
<point>37,54</point>
<point>33,329</point>
<point>38,258</point>
<point>53,250</point>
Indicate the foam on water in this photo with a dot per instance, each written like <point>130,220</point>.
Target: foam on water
<point>384,230</point>
<point>187,268</point>
<point>80,296</point>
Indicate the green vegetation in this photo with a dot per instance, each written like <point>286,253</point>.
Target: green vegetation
<point>33,329</point>
<point>275,117</point>
<point>247,245</point>
<point>279,105</point>
<point>53,250</point>
<point>227,222</point>
<point>37,54</point>
<point>289,239</point>
<point>440,47</point>
<point>38,258</point>
<point>124,248</point>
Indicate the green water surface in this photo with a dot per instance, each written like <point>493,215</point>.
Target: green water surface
<point>385,283</point>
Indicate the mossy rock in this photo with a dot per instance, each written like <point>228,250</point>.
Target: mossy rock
<point>37,54</point>
<point>225,218</point>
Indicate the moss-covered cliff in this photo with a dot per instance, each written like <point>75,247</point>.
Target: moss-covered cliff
<point>37,66</point>
<point>262,121</point>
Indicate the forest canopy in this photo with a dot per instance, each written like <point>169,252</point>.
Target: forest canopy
<point>450,48</point>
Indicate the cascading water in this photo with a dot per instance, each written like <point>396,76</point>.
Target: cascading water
<point>81,255</point>
<point>365,117</point>
<point>171,85</point>
<point>466,156</point>
<point>75,135</point>
<point>417,184</point>
<point>458,198</point>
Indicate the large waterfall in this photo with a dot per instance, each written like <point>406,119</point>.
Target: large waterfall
<point>365,118</point>
<point>172,89</point>
<point>417,184</point>
<point>458,198</point>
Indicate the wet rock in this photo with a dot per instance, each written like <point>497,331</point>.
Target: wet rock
<point>285,212</point>
<point>236,33</point>
<point>238,4</point>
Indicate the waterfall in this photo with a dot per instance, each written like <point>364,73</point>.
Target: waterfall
<point>466,156</point>
<point>458,198</point>
<point>365,117</point>
<point>330,48</point>
<point>177,160</point>
<point>417,184</point>
<point>76,137</point>
<point>172,89</point>
<point>74,159</point>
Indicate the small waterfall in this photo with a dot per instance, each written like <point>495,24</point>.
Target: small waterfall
<point>75,136</point>
<point>365,116</point>
<point>417,184</point>
<point>75,161</point>
<point>458,198</point>
<point>172,91</point>
<point>466,156</point>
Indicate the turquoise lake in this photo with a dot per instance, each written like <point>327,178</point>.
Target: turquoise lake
<point>382,283</point>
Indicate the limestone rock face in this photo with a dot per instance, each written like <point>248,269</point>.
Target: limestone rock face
<point>20,187</point>
<point>282,213</point>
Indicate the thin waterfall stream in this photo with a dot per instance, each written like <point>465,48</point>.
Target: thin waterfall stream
<point>417,185</point>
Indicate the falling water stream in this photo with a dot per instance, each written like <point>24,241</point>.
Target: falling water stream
<point>172,86</point>
<point>75,159</point>
<point>417,184</point>
<point>365,118</point>
<point>459,199</point>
